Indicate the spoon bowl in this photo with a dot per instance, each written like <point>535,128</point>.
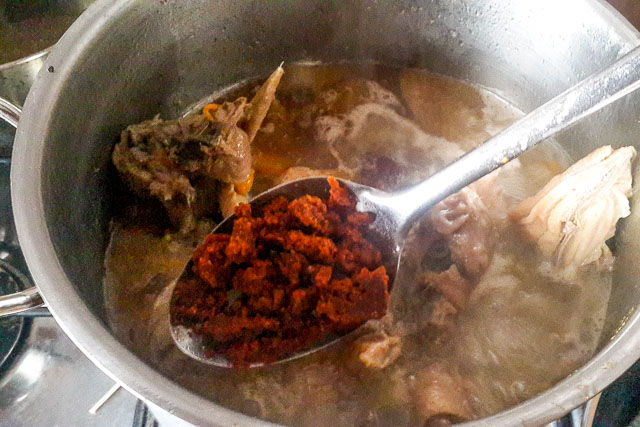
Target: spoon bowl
<point>382,233</point>
<point>396,213</point>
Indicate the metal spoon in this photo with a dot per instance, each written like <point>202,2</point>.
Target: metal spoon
<point>396,213</point>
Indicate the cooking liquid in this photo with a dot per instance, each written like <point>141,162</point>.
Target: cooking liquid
<point>522,331</point>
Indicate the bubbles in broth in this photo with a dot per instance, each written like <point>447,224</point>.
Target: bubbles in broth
<point>514,334</point>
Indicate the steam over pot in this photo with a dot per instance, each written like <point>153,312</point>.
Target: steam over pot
<point>124,61</point>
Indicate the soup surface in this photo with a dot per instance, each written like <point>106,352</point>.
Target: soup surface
<point>438,355</point>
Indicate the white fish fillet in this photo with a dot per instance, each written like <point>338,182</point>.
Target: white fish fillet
<point>571,218</point>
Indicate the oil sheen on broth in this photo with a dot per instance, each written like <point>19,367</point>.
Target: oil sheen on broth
<point>520,332</point>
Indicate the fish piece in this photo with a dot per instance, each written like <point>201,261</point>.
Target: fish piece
<point>572,217</point>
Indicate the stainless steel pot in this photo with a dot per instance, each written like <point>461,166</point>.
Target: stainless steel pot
<point>125,60</point>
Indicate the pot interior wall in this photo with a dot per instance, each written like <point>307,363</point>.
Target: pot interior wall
<point>162,56</point>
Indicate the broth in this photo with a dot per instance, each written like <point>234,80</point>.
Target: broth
<point>521,331</point>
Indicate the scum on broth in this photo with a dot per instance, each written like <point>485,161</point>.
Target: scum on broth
<point>519,335</point>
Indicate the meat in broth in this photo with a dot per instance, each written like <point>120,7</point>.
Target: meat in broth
<point>486,316</point>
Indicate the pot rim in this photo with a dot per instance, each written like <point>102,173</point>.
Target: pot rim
<point>123,366</point>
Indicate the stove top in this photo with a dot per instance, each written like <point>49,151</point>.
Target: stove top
<point>48,381</point>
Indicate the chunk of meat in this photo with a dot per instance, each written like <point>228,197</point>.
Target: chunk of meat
<point>450,284</point>
<point>440,393</point>
<point>464,220</point>
<point>442,314</point>
<point>163,159</point>
<point>231,159</point>
<point>438,287</point>
<point>571,218</point>
<point>378,350</point>
<point>168,159</point>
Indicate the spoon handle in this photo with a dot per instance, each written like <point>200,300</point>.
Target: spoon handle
<point>586,97</point>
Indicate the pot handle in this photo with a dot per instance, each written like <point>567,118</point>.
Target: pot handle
<point>29,298</point>
<point>9,112</point>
